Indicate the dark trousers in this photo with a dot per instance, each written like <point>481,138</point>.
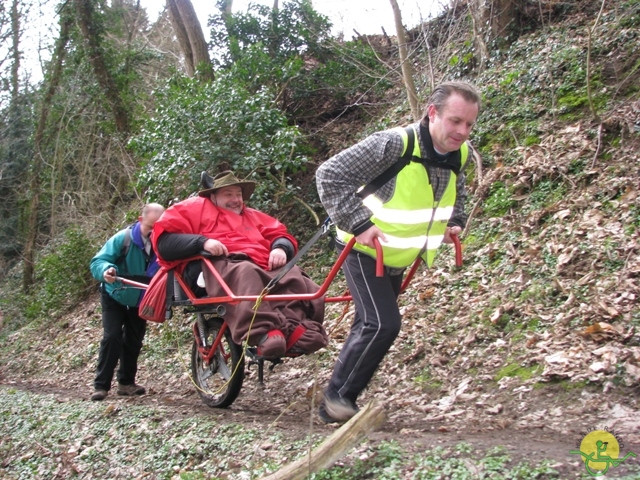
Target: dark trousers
<point>375,327</point>
<point>122,340</point>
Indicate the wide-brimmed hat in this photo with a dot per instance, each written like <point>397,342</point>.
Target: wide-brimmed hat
<point>225,179</point>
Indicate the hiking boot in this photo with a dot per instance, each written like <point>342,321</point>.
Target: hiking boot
<point>272,345</point>
<point>324,416</point>
<point>99,395</point>
<point>132,389</point>
<point>336,410</point>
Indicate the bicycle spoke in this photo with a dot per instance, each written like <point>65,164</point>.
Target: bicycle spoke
<point>218,383</point>
<point>223,367</point>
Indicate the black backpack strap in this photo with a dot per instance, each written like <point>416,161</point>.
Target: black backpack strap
<point>394,169</point>
<point>127,240</point>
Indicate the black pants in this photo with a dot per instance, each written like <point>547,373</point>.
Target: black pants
<point>122,340</point>
<point>375,327</point>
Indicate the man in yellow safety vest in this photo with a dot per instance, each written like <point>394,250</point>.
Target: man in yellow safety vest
<point>403,188</point>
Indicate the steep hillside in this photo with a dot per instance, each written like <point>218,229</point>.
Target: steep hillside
<point>532,343</point>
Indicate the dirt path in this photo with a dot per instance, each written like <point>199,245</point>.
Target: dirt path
<point>458,402</point>
<point>549,435</point>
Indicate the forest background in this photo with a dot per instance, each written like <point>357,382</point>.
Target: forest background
<point>130,112</point>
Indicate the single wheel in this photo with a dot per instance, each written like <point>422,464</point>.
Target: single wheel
<point>218,381</point>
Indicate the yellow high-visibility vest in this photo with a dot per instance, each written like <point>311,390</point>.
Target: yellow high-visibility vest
<point>412,221</point>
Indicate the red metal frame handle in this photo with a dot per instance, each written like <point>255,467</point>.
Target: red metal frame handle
<point>132,283</point>
<point>232,298</point>
<point>458,248</point>
<point>379,258</point>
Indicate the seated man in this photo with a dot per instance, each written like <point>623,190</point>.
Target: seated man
<point>250,247</point>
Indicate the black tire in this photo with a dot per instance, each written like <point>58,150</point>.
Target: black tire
<point>218,383</point>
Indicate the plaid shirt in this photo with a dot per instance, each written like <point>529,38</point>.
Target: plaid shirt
<point>339,178</point>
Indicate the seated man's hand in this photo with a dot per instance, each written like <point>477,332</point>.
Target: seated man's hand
<point>215,247</point>
<point>277,258</point>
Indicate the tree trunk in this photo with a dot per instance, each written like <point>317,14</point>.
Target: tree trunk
<point>183,37</point>
<point>191,39</point>
<point>407,70</point>
<point>28,276</point>
<point>16,146</point>
<point>226,7</point>
<point>500,16</point>
<point>28,269</point>
<point>15,66</point>
<point>84,10</point>
<point>478,33</point>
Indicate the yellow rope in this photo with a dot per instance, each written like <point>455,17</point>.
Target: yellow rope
<point>255,308</point>
<point>344,313</point>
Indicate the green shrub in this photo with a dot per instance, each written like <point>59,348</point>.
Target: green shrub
<point>292,30</point>
<point>546,192</point>
<point>290,51</point>
<point>212,126</point>
<point>62,275</point>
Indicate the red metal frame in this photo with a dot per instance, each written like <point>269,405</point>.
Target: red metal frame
<point>232,298</point>
<point>208,353</point>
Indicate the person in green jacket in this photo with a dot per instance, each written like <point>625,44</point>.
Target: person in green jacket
<point>127,253</point>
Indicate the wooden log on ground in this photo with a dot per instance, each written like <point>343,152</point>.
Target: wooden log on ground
<point>337,445</point>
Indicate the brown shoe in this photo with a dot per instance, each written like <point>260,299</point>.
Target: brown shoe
<point>99,395</point>
<point>132,389</point>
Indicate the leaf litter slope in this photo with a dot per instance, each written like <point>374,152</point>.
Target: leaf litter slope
<point>530,345</point>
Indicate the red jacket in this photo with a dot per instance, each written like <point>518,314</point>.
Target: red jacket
<point>252,232</point>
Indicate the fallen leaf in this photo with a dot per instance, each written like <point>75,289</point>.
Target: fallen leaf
<point>470,338</point>
<point>633,374</point>
<point>599,329</point>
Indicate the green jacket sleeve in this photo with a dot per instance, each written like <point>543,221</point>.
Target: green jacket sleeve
<point>107,256</point>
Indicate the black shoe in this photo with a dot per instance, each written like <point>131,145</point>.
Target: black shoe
<point>336,410</point>
<point>324,416</point>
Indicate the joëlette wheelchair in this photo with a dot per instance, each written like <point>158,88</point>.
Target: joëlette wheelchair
<point>217,362</point>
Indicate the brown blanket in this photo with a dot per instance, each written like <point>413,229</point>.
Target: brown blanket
<point>246,278</point>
